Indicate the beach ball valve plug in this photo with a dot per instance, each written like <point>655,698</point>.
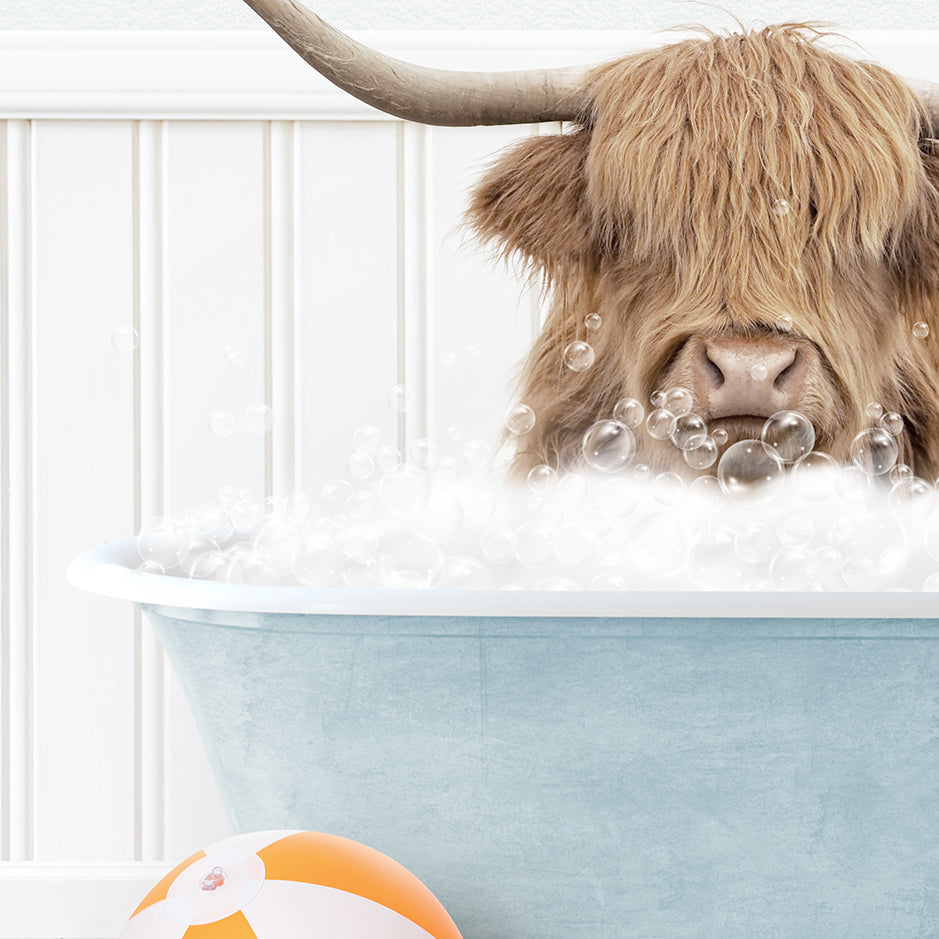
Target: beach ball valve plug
<point>290,885</point>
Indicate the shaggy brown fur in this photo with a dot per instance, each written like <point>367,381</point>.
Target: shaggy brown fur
<point>657,213</point>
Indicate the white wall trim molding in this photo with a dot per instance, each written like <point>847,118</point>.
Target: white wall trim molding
<point>80,901</point>
<point>253,75</point>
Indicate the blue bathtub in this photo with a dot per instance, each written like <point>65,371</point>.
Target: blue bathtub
<point>582,765</point>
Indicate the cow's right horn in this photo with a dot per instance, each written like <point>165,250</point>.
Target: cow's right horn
<point>426,95</point>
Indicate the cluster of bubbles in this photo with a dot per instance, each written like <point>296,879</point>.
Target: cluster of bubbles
<point>449,520</point>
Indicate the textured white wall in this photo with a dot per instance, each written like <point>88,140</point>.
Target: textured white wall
<point>468,14</point>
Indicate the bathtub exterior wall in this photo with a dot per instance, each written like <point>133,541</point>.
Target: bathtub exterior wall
<point>609,778</point>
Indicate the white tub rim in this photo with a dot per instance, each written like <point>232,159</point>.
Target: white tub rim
<point>110,570</point>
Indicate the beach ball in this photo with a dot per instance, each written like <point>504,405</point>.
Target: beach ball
<point>290,885</point>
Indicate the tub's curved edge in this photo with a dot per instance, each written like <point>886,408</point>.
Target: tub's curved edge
<point>110,570</point>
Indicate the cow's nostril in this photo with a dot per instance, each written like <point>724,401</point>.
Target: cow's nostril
<point>788,374</point>
<point>713,373</point>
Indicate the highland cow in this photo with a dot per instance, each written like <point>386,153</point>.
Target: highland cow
<point>752,217</point>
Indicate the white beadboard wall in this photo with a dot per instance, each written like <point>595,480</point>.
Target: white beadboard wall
<point>210,190</point>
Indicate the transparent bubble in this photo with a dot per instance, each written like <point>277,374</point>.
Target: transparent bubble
<point>244,565</point>
<point>921,330</point>
<point>668,488</point>
<point>422,452</point>
<point>873,539</point>
<point>900,473</point>
<point>791,568</point>
<point>689,432</point>
<point>446,471</point>
<point>720,436</point>
<point>124,338</point>
<point>780,207</point>
<point>619,496</point>
<point>320,560</point>
<point>642,471</point>
<point>795,528</point>
<point>366,439</point>
<point>630,412</point>
<point>534,543</point>
<point>455,433</point>
<point>408,560</point>
<point>593,321</point>
<point>162,539</point>
<point>572,489</point>
<point>520,420</point>
<point>789,434</point>
<point>335,493</point>
<point>448,359</point>
<point>912,499</point>
<point>359,541</point>
<point>759,372</point>
<point>196,545</point>
<point>784,323</point>
<point>703,456</point>
<point>498,544</point>
<point>714,563</point>
<point>474,350</point>
<point>279,542</point>
<point>825,567</point>
<point>892,423</point>
<point>234,356</point>
<point>874,411</point>
<point>874,451</point>
<point>657,399</point>
<point>608,446</point>
<point>359,572</point>
<point>476,453</point>
<point>222,423</point>
<point>462,572</point>
<point>403,488</point>
<point>660,424</point>
<point>756,541</point>
<point>931,583</point>
<point>360,466</point>
<point>227,496</point>
<point>814,476</point>
<point>361,504</point>
<point>387,456</point>
<point>749,474</point>
<point>542,478</point>
<point>151,567</point>
<point>245,515</point>
<point>401,398</point>
<point>678,401</point>
<point>579,356</point>
<point>258,419</point>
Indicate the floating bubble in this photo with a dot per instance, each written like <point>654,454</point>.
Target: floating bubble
<point>387,456</point>
<point>455,433</point>
<point>630,412</point>
<point>749,474</point>
<point>668,488</point>
<point>608,446</point>
<point>244,565</point>
<point>795,528</point>
<point>361,504</point>
<point>335,493</point>
<point>359,541</point>
<point>124,338</point>
<point>703,456</point>
<point>784,324</point>
<point>234,356</point>
<point>579,356</point>
<point>689,432</point>
<point>720,436</point>
<point>657,399</point>
<point>474,350</point>
<point>660,424</point>
<point>196,545</point>
<point>280,543</point>
<point>446,471</point>
<point>476,453</point>
<point>791,568</point>
<point>520,420</point>
<point>714,563</point>
<point>498,544</point>
<point>825,567</point>
<point>409,560</point>
<point>789,435</point>
<point>422,452</point>
<point>534,543</point>
<point>366,439</point>
<point>759,372</point>
<point>162,539</point>
<point>359,572</point>
<point>593,321</point>
<point>401,398</point>
<point>360,466</point>
<point>912,499</point>
<point>920,330</point>
<point>542,478</point>
<point>892,423</point>
<point>403,488</point>
<point>874,451</point>
<point>780,207</point>
<point>448,359</point>
<point>678,401</point>
<point>900,473</point>
<point>258,419</point>
<point>814,476</point>
<point>756,541</point>
<point>222,423</point>
<point>874,411</point>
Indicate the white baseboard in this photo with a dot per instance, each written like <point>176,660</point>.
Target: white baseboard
<point>72,901</point>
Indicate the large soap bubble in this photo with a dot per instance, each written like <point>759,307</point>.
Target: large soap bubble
<point>789,434</point>
<point>608,446</point>
<point>874,451</point>
<point>749,473</point>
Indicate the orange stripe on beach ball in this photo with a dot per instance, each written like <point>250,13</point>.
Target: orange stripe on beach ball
<point>160,890</point>
<point>232,927</point>
<point>331,861</point>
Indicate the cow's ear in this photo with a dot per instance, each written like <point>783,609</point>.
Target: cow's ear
<point>532,202</point>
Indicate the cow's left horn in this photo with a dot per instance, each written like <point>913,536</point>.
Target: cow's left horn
<point>425,95</point>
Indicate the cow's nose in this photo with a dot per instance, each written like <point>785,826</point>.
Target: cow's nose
<point>739,376</point>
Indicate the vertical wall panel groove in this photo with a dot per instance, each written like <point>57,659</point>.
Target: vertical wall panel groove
<point>414,278</point>
<point>149,390</point>
<point>280,306</point>
<point>19,564</point>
